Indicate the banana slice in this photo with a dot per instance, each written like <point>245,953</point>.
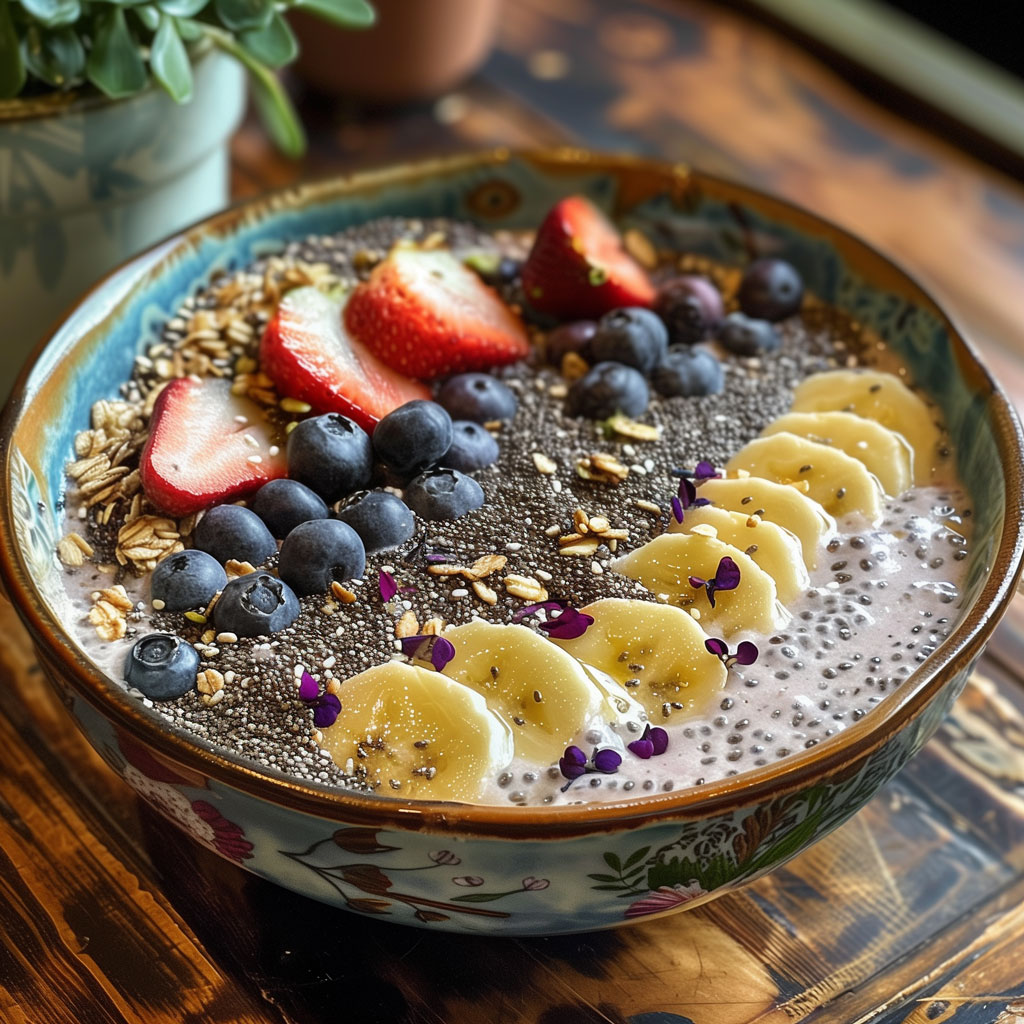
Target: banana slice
<point>655,651</point>
<point>882,397</point>
<point>842,485</point>
<point>774,548</point>
<point>536,687</point>
<point>417,734</point>
<point>776,503</point>
<point>664,566</point>
<point>883,452</point>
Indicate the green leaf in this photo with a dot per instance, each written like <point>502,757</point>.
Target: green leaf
<point>169,61</point>
<point>182,8</point>
<point>244,15</point>
<point>612,860</point>
<point>606,878</point>
<point>274,45</point>
<point>56,58</point>
<point>344,13</point>
<point>53,13</point>
<point>114,65</point>
<point>12,70</point>
<point>275,109</point>
<point>148,15</point>
<point>480,897</point>
<point>188,29</point>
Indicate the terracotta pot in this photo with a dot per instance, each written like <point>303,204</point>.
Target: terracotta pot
<point>415,51</point>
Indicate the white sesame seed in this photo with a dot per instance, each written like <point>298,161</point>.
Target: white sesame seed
<point>242,419</point>
<point>596,568</point>
<point>274,450</point>
<point>250,441</point>
<point>513,545</point>
<point>254,459</point>
<point>460,592</point>
<point>556,486</point>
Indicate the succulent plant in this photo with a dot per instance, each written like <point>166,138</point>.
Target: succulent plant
<point>120,47</point>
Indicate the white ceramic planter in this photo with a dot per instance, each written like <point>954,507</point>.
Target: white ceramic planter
<point>85,185</point>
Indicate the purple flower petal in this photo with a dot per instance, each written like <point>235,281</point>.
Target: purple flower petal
<point>698,502</point>
<point>704,470</point>
<point>309,688</point>
<point>727,576</point>
<point>677,509</point>
<point>696,582</point>
<point>607,760</point>
<point>441,652</point>
<point>532,609</point>
<point>326,711</point>
<point>568,624</point>
<point>659,740</point>
<point>411,645</point>
<point>388,586</point>
<point>717,647</point>
<point>687,492</point>
<point>573,763</point>
<point>531,884</point>
<point>642,748</point>
<point>746,653</point>
<point>437,558</point>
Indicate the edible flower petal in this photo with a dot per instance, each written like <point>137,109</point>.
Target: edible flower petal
<point>704,470</point>
<point>652,743</point>
<point>532,609</point>
<point>677,509</point>
<point>745,654</point>
<point>309,688</point>
<point>326,706</point>
<point>568,624</point>
<point>727,577</point>
<point>438,650</point>
<point>574,763</point>
<point>388,586</point>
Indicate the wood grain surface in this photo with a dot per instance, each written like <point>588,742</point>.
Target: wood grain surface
<point>912,911</point>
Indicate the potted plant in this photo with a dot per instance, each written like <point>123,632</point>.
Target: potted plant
<point>115,119</point>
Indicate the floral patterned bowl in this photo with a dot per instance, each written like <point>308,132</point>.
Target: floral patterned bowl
<point>504,870</point>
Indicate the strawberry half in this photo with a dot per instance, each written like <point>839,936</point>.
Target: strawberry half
<point>202,440</point>
<point>578,268</point>
<point>424,313</point>
<point>308,354</point>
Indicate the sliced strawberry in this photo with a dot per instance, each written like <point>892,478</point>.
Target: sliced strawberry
<point>205,446</point>
<point>308,354</point>
<point>424,313</point>
<point>578,268</point>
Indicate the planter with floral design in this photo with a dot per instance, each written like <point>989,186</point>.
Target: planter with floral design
<point>505,869</point>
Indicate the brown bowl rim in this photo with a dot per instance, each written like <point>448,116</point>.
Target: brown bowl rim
<point>832,756</point>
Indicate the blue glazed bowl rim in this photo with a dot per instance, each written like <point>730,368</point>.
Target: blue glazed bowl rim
<point>834,755</point>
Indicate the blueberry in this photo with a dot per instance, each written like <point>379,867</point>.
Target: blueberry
<point>633,336</point>
<point>478,397</point>
<point>380,518</point>
<point>282,504</point>
<point>748,337</point>
<point>233,531</point>
<point>472,447</point>
<point>771,289</point>
<point>574,337</point>
<point>493,269</point>
<point>443,494</point>
<point>330,454</point>
<point>606,389</point>
<point>413,437</point>
<point>690,306</point>
<point>186,580</point>
<point>688,371</point>
<point>317,553</point>
<point>162,666</point>
<point>255,605</point>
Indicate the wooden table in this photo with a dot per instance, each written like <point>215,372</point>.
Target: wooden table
<point>913,911</point>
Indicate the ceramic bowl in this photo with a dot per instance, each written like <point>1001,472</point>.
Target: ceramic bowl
<point>504,870</point>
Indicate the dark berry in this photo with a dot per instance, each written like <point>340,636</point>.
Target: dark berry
<point>331,455</point>
<point>162,666</point>
<point>472,447</point>
<point>689,372</point>
<point>633,336</point>
<point>478,397</point>
<point>381,519</point>
<point>318,553</point>
<point>443,494</point>
<point>282,504</point>
<point>771,289</point>
<point>493,269</point>
<point>574,337</point>
<point>233,531</point>
<point>186,580</point>
<point>413,437</point>
<point>746,336</point>
<point>255,605</point>
<point>606,389</point>
<point>690,306</point>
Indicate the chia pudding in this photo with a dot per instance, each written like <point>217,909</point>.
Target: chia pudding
<point>568,508</point>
